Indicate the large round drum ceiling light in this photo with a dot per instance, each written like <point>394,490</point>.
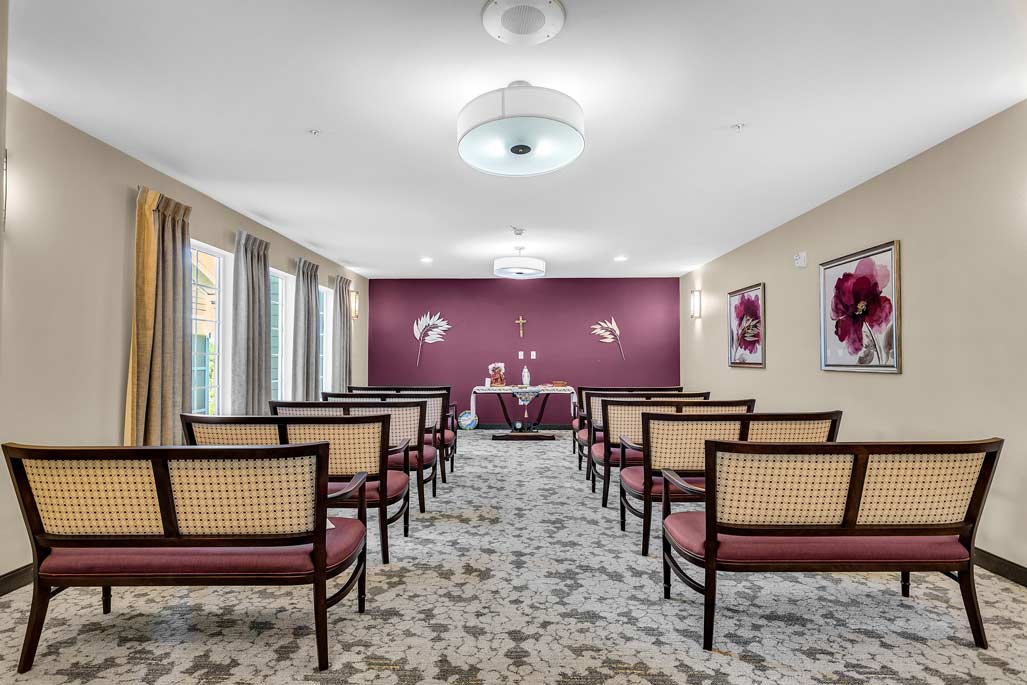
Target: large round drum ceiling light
<point>520,130</point>
<point>519,267</point>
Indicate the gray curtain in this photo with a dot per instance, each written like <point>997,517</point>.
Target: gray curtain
<point>306,367</point>
<point>158,385</point>
<point>342,326</point>
<point>251,326</point>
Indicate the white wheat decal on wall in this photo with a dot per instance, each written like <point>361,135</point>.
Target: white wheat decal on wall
<point>608,333</point>
<point>429,329</point>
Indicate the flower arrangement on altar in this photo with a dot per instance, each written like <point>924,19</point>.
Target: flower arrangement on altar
<point>497,373</point>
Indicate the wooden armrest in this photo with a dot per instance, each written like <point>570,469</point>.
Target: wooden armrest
<point>624,442</point>
<point>400,447</point>
<point>354,484</point>
<point>672,478</point>
<point>597,428</point>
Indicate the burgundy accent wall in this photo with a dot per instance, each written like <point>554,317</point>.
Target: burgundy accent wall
<point>559,311</point>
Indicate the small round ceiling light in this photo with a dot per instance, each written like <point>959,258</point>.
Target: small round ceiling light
<point>620,258</point>
<point>426,260</point>
<point>523,22</point>
<point>520,130</point>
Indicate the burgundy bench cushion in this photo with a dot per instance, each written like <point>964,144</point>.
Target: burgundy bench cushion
<point>430,454</point>
<point>688,530</point>
<point>395,486</point>
<point>633,479</point>
<point>582,436</point>
<point>448,437</point>
<point>575,425</point>
<point>342,541</point>
<point>633,456</point>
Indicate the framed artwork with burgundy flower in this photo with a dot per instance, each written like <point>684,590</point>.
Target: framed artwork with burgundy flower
<point>746,327</point>
<point>859,311</point>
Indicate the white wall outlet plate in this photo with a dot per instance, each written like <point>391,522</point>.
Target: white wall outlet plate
<point>533,354</point>
<point>520,354</point>
<point>800,260</point>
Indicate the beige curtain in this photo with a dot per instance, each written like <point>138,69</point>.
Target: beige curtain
<point>159,360</point>
<point>342,327</point>
<point>306,363</point>
<point>251,326</point>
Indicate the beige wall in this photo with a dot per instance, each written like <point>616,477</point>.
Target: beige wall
<point>67,283</point>
<point>960,210</point>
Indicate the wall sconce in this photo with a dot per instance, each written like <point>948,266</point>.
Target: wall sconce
<point>354,304</point>
<point>696,304</point>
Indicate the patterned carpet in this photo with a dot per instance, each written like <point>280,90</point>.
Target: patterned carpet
<point>516,574</point>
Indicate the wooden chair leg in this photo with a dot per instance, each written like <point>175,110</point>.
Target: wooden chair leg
<point>592,468</point>
<point>37,615</point>
<point>406,513</point>
<point>105,594</point>
<point>383,530</point>
<point>904,581</point>
<point>321,621</point>
<point>420,488</point>
<point>709,608</point>
<point>973,611</point>
<point>666,566</point>
<point>606,482</point>
<point>647,517</point>
<point>362,580</point>
<point>440,457</point>
<point>434,478</point>
<point>623,510</point>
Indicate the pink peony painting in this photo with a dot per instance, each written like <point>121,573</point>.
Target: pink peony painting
<point>746,315</point>
<point>859,311</point>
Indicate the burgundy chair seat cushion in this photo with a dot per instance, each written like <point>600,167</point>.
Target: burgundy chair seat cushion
<point>633,478</point>
<point>342,541</point>
<point>582,436</point>
<point>394,487</point>
<point>448,438</point>
<point>430,454</point>
<point>575,425</point>
<point>688,530</point>
<point>633,456</point>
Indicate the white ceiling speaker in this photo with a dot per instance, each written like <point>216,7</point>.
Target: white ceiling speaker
<point>519,267</point>
<point>523,22</point>
<point>520,130</point>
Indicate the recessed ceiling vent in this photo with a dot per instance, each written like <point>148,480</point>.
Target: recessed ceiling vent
<point>523,22</point>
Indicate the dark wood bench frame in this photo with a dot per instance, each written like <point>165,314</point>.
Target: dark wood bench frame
<point>961,572</point>
<point>646,496</point>
<point>281,422</point>
<point>579,447</point>
<point>437,431</point>
<point>633,399</point>
<point>359,402</point>
<point>46,587</point>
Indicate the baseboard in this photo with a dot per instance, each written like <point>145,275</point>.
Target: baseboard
<point>1001,567</point>
<point>12,580</point>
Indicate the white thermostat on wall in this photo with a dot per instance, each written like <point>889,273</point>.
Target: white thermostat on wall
<point>800,259</point>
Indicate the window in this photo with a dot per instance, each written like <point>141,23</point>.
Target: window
<point>324,336</point>
<point>277,322</point>
<point>282,285</point>
<point>208,308</point>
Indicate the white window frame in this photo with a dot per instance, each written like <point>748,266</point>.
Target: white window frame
<point>287,296</point>
<point>224,323</point>
<point>326,341</point>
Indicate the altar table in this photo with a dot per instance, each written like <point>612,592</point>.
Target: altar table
<point>524,394</point>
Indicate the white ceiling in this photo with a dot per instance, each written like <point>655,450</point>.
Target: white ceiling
<point>220,94</point>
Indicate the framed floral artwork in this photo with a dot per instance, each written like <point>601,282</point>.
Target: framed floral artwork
<point>859,311</point>
<point>746,327</point>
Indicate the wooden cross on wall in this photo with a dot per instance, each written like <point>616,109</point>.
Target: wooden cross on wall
<point>520,322</point>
